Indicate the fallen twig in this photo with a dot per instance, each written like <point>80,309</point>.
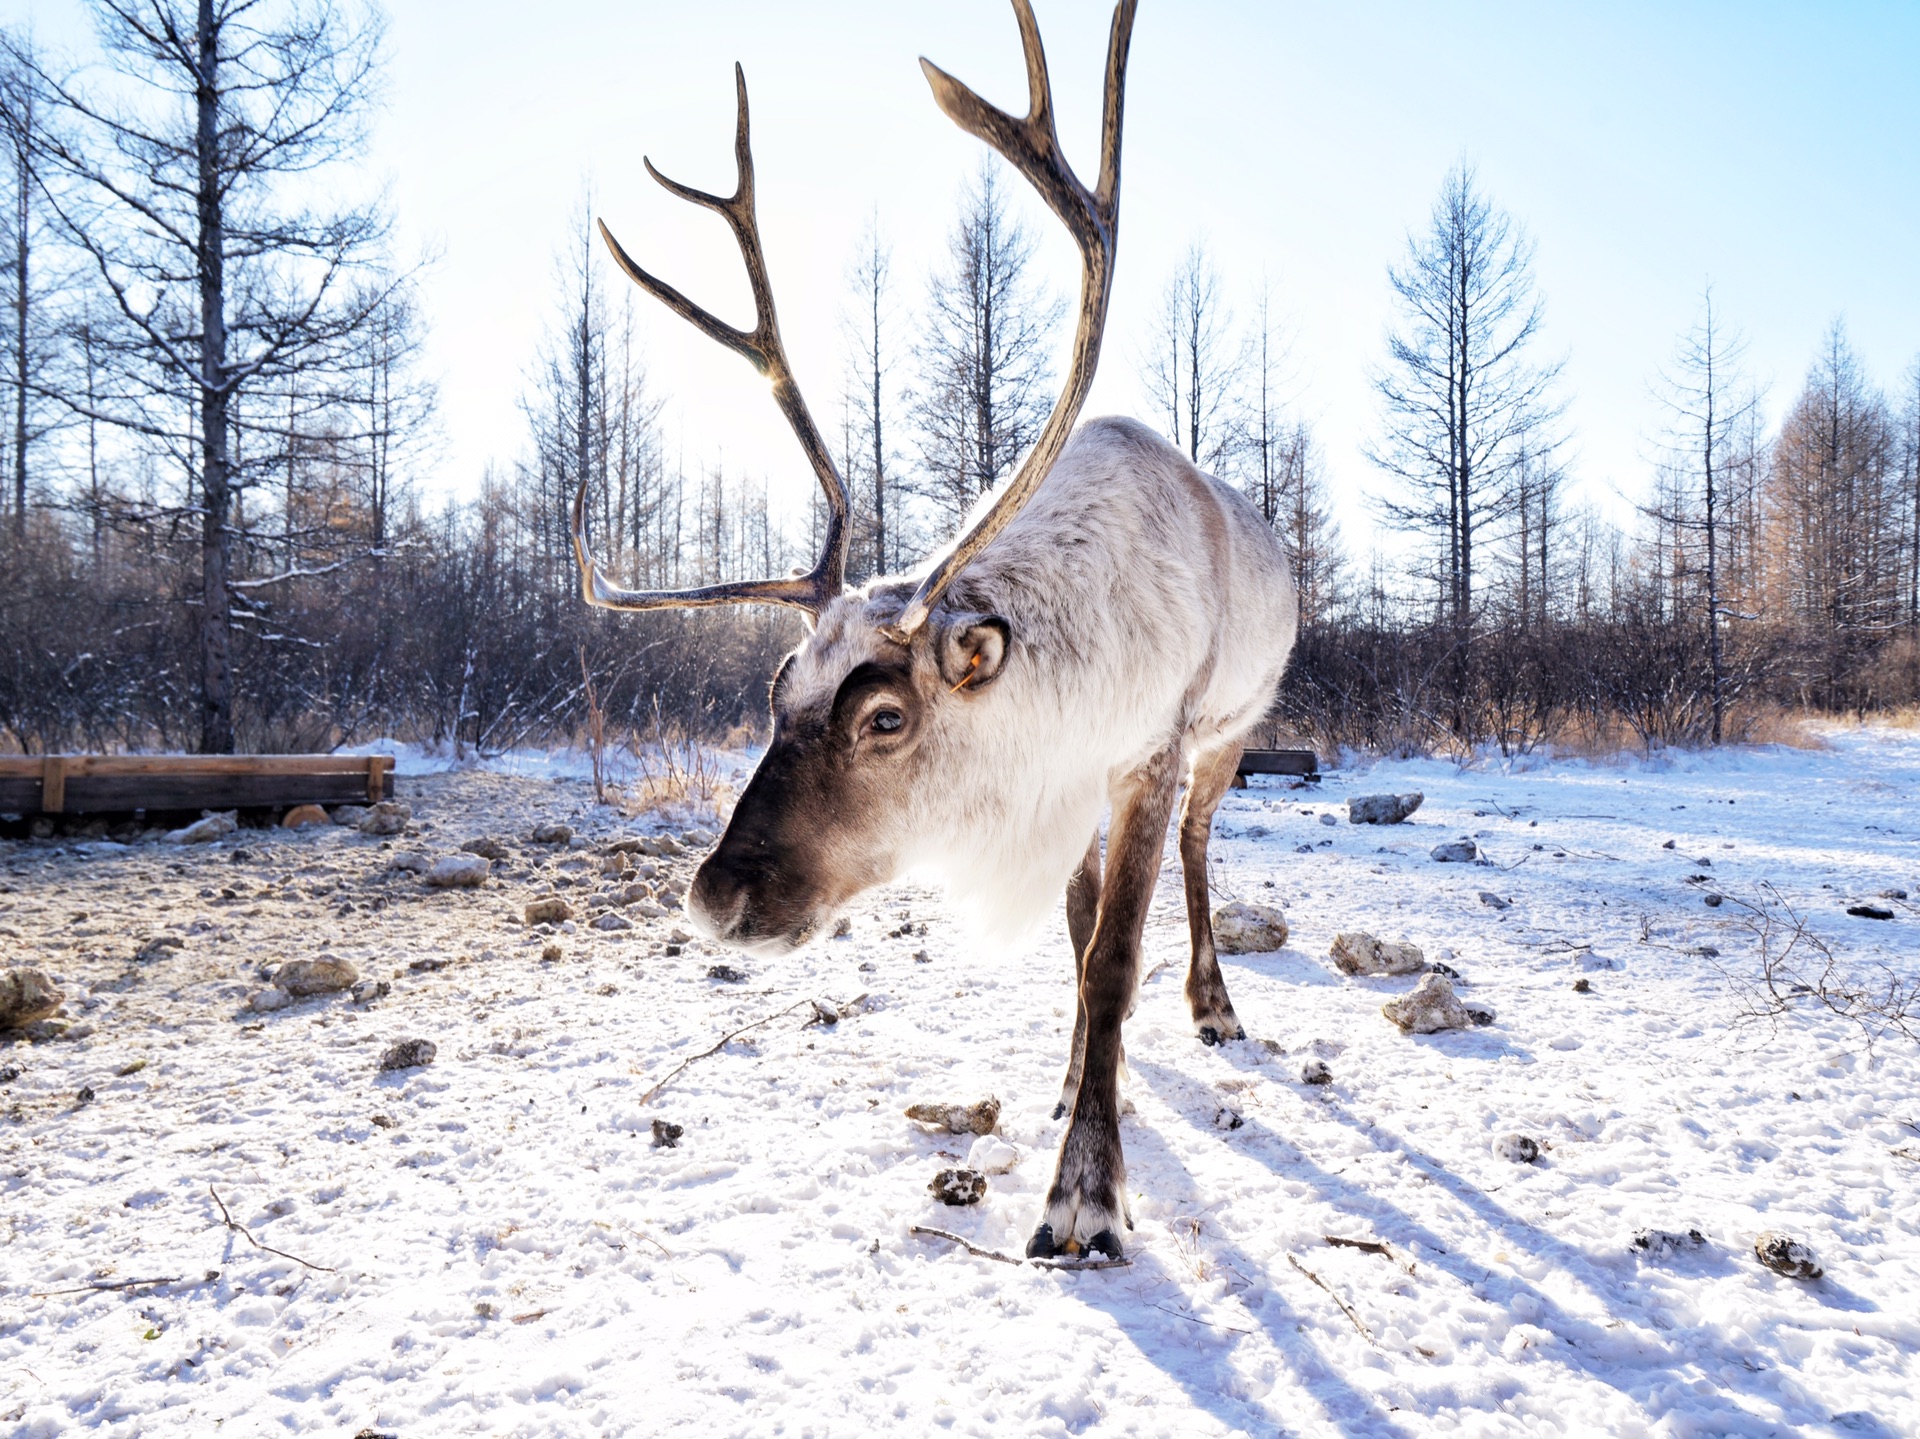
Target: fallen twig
<point>715,1048</point>
<point>977,1252</point>
<point>247,1234</point>
<point>1207,1323</point>
<point>1345,1308</point>
<point>1369,1246</point>
<point>103,1286</point>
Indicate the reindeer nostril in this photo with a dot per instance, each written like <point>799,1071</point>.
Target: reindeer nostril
<point>716,905</point>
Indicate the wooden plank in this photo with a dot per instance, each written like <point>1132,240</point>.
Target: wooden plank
<point>98,784</point>
<point>1279,761</point>
<point>118,764</point>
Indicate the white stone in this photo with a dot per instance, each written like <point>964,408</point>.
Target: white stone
<point>991,1154</point>
<point>1433,1006</point>
<point>212,827</point>
<point>459,871</point>
<point>1243,928</point>
<point>1357,952</point>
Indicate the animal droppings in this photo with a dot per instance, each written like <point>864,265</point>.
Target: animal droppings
<point>1786,1256</point>
<point>1663,1242</point>
<point>1517,1147</point>
<point>958,1186</point>
<point>408,1054</point>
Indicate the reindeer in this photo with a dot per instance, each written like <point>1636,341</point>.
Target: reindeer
<point>1108,619</point>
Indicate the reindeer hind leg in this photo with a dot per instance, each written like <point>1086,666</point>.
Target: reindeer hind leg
<point>1213,1018</point>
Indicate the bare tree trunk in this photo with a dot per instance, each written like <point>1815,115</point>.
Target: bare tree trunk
<point>216,675</point>
<point>22,179</point>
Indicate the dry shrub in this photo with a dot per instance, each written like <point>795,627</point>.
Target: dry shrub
<point>676,778</point>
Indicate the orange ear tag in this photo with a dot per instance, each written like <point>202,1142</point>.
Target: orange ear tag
<point>971,667</point>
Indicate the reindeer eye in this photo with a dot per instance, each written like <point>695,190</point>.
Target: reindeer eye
<point>886,721</point>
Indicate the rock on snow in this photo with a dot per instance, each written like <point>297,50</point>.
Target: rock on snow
<point>1432,1007</point>
<point>1243,928</point>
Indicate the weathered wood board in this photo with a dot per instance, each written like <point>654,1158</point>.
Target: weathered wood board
<point>1279,761</point>
<point>117,784</point>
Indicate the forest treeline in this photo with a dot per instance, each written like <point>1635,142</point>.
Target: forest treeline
<point>216,415</point>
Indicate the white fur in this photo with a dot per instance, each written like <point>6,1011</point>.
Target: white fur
<point>1147,600</point>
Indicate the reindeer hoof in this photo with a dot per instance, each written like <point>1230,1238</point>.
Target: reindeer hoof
<point>1041,1246</point>
<point>1060,1110</point>
<point>1211,1035</point>
<point>1106,1244</point>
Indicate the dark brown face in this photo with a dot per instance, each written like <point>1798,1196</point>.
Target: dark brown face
<point>828,812</point>
<point>816,824</point>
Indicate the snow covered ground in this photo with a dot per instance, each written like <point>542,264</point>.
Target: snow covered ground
<point>494,1245</point>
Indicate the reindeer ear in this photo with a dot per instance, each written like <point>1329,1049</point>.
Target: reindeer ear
<point>972,650</point>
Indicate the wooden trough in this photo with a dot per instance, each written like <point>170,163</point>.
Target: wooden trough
<point>123,783</point>
<point>1301,762</point>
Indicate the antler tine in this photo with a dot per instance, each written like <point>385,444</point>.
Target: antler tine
<point>1032,147</point>
<point>762,348</point>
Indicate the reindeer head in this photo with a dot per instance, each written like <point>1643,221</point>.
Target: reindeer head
<point>869,714</point>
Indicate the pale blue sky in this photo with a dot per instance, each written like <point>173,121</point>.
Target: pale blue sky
<point>1646,148</point>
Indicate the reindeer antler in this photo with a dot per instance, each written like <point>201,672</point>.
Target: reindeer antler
<point>1033,147</point>
<point>761,346</point>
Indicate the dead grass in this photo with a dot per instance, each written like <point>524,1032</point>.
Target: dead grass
<point>1776,724</point>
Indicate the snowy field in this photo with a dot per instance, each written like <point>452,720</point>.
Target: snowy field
<point>494,1245</point>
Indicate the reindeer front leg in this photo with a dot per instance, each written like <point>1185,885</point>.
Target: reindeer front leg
<point>1083,905</point>
<point>1085,1205</point>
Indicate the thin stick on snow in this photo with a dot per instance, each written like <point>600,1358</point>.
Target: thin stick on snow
<point>104,1286</point>
<point>1204,1323</point>
<point>927,1232</point>
<point>715,1048</point>
<point>247,1234</point>
<point>1345,1308</point>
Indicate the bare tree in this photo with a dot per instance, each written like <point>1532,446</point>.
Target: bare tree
<point>1710,406</point>
<point>1193,365</point>
<point>871,465</point>
<point>1536,479</point>
<point>1461,390</point>
<point>1909,462</point>
<point>1832,497</point>
<point>32,349</point>
<point>189,180</point>
<point>983,391</point>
